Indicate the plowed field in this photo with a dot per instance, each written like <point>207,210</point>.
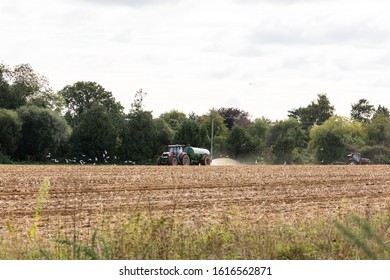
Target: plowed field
<point>79,195</point>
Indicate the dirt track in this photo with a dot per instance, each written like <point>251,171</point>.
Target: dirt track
<point>78,195</point>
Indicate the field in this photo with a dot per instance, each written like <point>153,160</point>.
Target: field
<point>79,197</point>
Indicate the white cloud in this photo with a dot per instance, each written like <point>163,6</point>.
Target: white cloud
<point>133,3</point>
<point>265,57</point>
<point>320,33</point>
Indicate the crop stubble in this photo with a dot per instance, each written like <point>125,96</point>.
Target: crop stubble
<point>80,195</point>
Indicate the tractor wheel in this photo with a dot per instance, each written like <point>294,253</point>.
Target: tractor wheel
<point>185,160</point>
<point>206,160</point>
<point>173,161</point>
<point>159,161</point>
<point>352,162</point>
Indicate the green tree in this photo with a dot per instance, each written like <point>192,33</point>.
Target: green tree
<point>80,97</point>
<point>330,147</point>
<point>362,111</point>
<point>315,113</point>
<point>286,141</point>
<point>378,154</point>
<point>10,131</point>
<point>258,131</point>
<point>220,130</point>
<point>378,130</point>
<point>335,137</point>
<point>143,137</point>
<point>192,133</point>
<point>43,132</point>
<point>240,145</point>
<point>21,85</point>
<point>193,116</point>
<point>7,99</point>
<point>174,119</point>
<point>138,140</point>
<point>163,133</point>
<point>138,103</point>
<point>94,135</point>
<point>382,110</point>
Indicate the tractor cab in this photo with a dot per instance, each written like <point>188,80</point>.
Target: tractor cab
<point>174,149</point>
<point>355,158</point>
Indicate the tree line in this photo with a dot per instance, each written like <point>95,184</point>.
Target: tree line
<point>84,123</point>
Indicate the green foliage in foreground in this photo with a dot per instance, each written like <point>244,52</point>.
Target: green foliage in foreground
<point>141,237</point>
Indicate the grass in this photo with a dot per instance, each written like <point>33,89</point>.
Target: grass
<point>142,236</point>
<point>364,236</point>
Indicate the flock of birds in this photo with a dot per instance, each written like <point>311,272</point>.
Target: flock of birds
<point>90,160</point>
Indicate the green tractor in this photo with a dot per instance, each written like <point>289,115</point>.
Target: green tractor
<point>184,155</point>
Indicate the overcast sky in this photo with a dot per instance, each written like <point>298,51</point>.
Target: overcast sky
<point>262,56</point>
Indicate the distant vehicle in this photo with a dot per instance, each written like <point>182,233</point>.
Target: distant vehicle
<point>356,158</point>
<point>184,155</point>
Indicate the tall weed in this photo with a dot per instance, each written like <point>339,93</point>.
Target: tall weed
<point>43,190</point>
<point>365,237</point>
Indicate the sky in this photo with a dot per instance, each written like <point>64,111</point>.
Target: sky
<point>265,57</point>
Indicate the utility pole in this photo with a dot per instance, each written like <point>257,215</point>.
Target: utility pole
<point>212,137</point>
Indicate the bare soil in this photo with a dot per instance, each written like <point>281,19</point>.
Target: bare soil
<point>80,196</point>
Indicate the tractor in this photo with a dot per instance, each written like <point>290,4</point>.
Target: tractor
<point>356,158</point>
<point>184,155</point>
